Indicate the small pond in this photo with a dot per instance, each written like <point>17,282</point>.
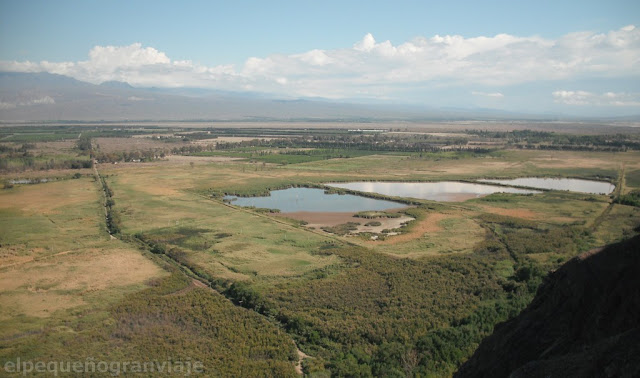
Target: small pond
<point>314,200</point>
<point>446,191</point>
<point>573,185</point>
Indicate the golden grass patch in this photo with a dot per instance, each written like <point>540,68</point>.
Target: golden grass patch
<point>49,197</point>
<point>428,225</point>
<point>56,253</point>
<point>39,288</point>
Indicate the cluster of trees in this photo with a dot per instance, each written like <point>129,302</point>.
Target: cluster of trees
<point>129,156</point>
<point>112,216</point>
<point>553,141</point>
<point>22,150</point>
<point>515,135</point>
<point>630,199</point>
<point>193,149</point>
<point>29,162</point>
<point>84,143</point>
<point>376,142</point>
<point>19,159</point>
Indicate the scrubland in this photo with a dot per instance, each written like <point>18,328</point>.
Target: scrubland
<point>179,273</point>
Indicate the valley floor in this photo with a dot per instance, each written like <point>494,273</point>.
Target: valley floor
<point>171,272</point>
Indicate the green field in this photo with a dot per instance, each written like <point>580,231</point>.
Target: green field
<point>187,276</point>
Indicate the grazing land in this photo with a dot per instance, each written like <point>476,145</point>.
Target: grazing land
<point>116,241</point>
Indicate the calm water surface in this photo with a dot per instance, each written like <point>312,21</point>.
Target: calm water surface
<point>446,191</point>
<point>316,200</point>
<point>574,185</point>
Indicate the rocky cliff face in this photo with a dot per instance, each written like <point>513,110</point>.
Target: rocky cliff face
<point>583,322</point>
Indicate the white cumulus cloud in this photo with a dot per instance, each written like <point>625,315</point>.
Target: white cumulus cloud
<point>585,98</point>
<point>488,94</point>
<point>128,56</point>
<point>367,43</point>
<point>377,69</point>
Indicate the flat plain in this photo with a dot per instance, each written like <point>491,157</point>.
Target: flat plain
<point>90,254</point>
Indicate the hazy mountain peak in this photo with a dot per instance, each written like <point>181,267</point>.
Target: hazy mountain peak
<point>116,84</point>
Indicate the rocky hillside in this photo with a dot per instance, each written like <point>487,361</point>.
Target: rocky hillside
<point>583,322</point>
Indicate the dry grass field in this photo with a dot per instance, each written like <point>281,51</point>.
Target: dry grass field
<point>57,257</point>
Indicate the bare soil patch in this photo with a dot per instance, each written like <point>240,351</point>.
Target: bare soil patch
<point>429,224</point>
<point>318,220</point>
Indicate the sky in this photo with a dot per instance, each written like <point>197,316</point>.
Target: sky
<point>568,57</point>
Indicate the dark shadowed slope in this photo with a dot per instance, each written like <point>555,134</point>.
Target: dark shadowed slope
<point>583,322</point>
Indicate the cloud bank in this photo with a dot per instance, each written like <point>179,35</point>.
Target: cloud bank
<point>584,98</point>
<point>485,94</point>
<point>381,70</point>
<point>42,100</point>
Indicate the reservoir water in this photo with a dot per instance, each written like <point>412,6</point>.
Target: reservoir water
<point>573,185</point>
<point>315,200</point>
<point>446,191</point>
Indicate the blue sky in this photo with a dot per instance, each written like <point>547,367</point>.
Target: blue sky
<point>303,48</point>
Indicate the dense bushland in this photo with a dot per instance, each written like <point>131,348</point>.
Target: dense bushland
<point>386,316</point>
<point>171,321</point>
<point>378,315</point>
<point>630,199</point>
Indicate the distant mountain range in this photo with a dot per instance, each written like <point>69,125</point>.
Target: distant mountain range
<point>49,97</point>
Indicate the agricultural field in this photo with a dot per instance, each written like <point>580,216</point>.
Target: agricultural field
<point>118,241</point>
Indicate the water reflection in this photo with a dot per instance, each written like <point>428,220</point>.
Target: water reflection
<point>574,185</point>
<point>446,191</point>
<point>316,200</point>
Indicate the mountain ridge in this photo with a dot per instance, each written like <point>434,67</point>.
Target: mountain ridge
<point>52,97</point>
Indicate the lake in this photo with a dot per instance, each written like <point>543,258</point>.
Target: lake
<point>445,191</point>
<point>573,185</point>
<point>315,200</point>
